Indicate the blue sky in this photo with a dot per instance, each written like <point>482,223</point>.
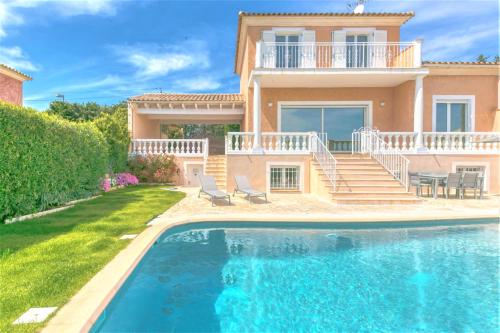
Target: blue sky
<point>108,50</point>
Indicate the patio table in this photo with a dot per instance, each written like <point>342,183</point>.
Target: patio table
<point>435,178</point>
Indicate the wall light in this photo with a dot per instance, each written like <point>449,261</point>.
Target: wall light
<point>270,104</point>
<point>382,104</point>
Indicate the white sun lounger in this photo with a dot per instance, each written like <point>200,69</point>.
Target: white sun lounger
<point>209,187</point>
<point>243,186</point>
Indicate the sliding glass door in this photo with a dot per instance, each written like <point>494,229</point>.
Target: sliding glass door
<point>338,122</point>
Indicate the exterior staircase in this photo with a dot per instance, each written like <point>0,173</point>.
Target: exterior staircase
<point>362,180</point>
<point>216,166</point>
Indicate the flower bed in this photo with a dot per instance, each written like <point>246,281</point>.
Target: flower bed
<point>119,180</point>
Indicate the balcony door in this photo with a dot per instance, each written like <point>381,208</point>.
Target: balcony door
<point>287,51</point>
<point>337,121</point>
<point>357,51</point>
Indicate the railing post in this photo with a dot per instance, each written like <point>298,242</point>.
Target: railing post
<point>258,54</point>
<point>417,53</point>
<point>205,148</point>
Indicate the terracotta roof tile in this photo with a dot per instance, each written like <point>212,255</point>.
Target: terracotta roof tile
<point>460,63</point>
<point>380,14</point>
<point>168,97</point>
<point>27,77</point>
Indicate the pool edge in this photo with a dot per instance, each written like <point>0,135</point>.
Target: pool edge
<point>81,312</point>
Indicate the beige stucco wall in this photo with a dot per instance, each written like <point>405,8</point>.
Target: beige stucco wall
<point>180,175</point>
<point>446,163</point>
<point>254,167</point>
<point>397,113</point>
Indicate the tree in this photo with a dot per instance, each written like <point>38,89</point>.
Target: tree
<point>113,125</point>
<point>80,111</point>
<point>482,58</point>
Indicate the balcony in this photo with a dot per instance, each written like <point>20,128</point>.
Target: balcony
<point>328,64</point>
<point>339,55</point>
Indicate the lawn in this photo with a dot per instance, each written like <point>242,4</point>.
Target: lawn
<point>45,261</point>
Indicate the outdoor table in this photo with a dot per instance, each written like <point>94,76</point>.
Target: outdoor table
<point>435,179</point>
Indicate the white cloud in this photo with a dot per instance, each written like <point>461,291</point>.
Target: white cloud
<point>150,61</point>
<point>14,57</point>
<point>198,84</point>
<point>458,43</point>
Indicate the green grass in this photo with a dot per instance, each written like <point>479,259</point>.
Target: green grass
<point>45,261</point>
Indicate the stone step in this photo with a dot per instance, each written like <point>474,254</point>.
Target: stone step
<point>378,201</point>
<point>366,181</point>
<point>363,172</point>
<point>359,167</point>
<point>356,162</point>
<point>371,194</point>
<point>367,188</point>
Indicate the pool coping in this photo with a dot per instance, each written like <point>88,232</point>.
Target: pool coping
<point>84,309</point>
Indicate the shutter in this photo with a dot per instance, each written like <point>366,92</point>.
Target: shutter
<point>379,49</point>
<point>308,49</point>
<point>339,49</point>
<point>268,49</point>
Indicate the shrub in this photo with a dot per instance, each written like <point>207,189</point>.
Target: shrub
<point>114,128</point>
<point>46,161</point>
<point>153,168</point>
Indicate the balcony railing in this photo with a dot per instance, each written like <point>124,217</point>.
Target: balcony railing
<point>292,143</point>
<point>338,55</point>
<point>177,147</point>
<point>445,142</point>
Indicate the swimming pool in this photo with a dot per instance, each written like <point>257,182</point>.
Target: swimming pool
<point>238,277</point>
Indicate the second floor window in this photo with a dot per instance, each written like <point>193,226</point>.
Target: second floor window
<point>357,51</point>
<point>287,51</point>
<point>452,117</point>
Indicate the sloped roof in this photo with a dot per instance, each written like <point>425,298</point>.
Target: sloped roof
<point>169,97</point>
<point>15,72</point>
<point>460,63</point>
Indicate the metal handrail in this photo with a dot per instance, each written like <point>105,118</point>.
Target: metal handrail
<point>325,159</point>
<point>367,141</point>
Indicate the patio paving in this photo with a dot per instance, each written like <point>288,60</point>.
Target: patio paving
<point>311,207</point>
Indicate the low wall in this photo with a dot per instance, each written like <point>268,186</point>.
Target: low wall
<point>180,176</point>
<point>448,163</point>
<point>255,168</point>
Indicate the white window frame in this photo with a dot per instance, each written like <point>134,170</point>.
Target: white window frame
<point>328,104</point>
<point>470,100</point>
<point>269,165</point>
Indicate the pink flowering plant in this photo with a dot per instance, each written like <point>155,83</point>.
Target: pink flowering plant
<point>126,178</point>
<point>120,179</point>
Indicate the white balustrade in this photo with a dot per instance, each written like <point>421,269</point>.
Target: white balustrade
<point>337,55</point>
<point>444,142</point>
<point>177,147</point>
<point>293,143</point>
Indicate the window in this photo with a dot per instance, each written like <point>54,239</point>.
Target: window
<point>453,113</point>
<point>357,51</point>
<point>287,51</point>
<point>338,122</point>
<point>285,178</point>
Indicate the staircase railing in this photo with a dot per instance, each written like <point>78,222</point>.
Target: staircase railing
<point>367,141</point>
<point>325,159</point>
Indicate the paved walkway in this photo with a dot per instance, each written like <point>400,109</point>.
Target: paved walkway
<point>308,206</point>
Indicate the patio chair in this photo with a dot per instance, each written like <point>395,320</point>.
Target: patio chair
<point>470,181</point>
<point>454,180</point>
<point>209,187</point>
<point>419,182</point>
<point>243,186</point>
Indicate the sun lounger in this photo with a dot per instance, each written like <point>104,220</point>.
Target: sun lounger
<point>243,186</point>
<point>209,187</point>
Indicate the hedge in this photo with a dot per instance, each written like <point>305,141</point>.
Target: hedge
<point>46,161</point>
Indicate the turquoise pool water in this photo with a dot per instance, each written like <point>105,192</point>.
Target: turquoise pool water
<point>335,278</point>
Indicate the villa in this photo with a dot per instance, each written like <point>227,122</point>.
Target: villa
<point>333,104</point>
